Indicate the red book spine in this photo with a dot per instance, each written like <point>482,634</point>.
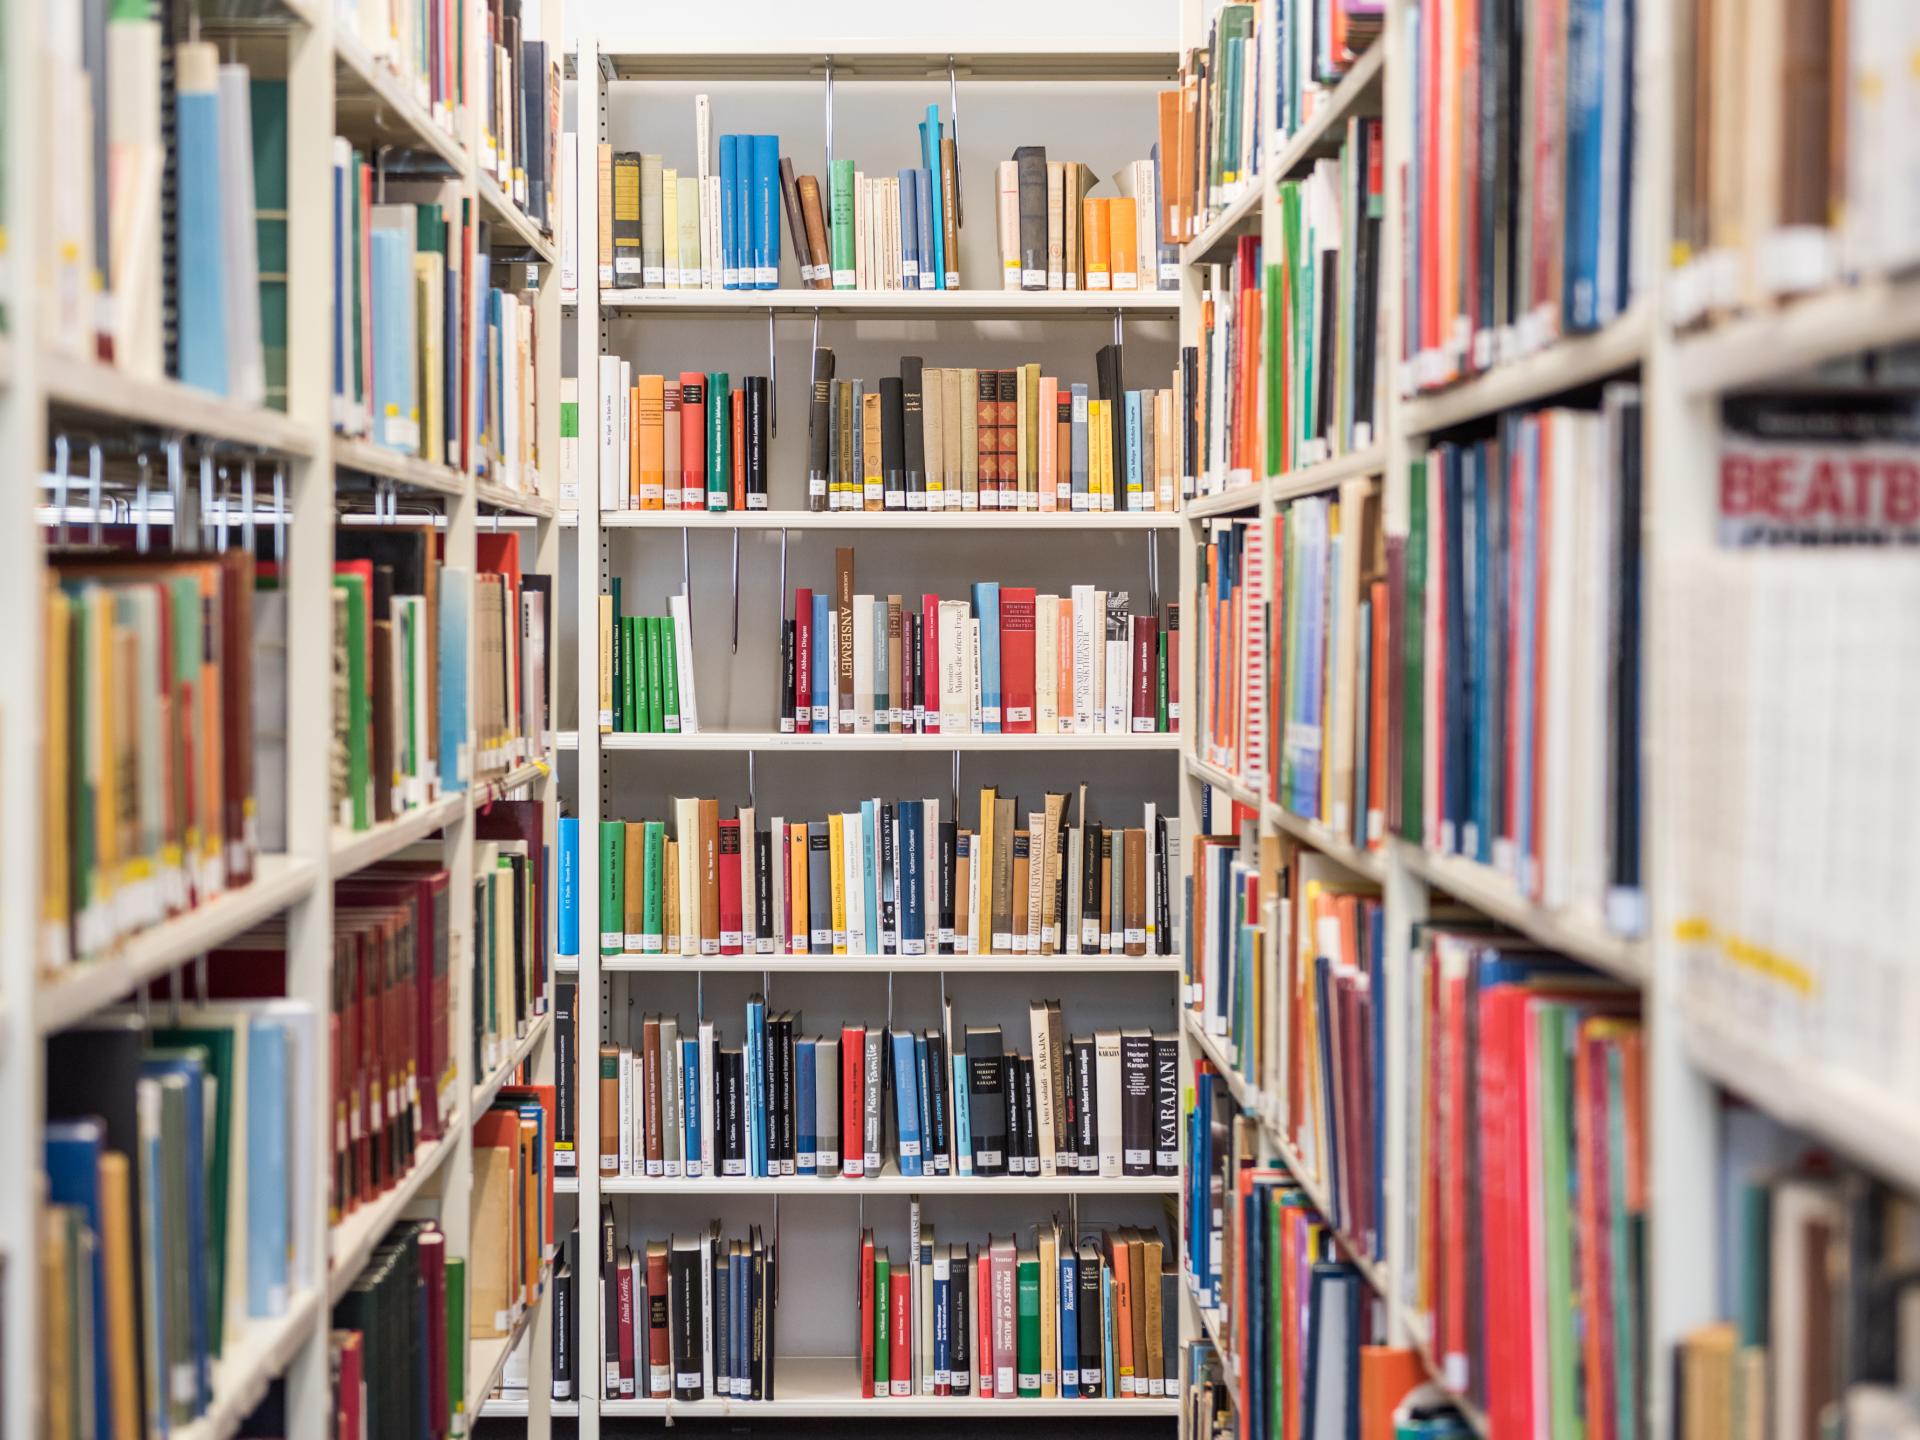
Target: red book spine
<point>353,1392</point>
<point>900,1333</point>
<point>659,1363</point>
<point>737,406</point>
<point>1146,674</point>
<point>866,1316</point>
<point>693,440</point>
<point>730,887</point>
<point>930,662</point>
<point>623,1285</point>
<point>982,1299</point>
<point>853,1087</point>
<point>803,661</point>
<point>433,1276</point>
<point>1017,606</point>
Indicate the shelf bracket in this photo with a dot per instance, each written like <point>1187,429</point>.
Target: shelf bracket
<point>736,590</point>
<point>829,99</point>
<point>176,491</point>
<point>142,538</point>
<point>62,459</point>
<point>206,498</point>
<point>773,381</point>
<point>220,509</point>
<point>95,464</point>
<point>280,513</point>
<point>247,531</point>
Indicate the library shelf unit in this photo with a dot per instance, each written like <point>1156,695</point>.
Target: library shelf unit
<point>637,94</point>
<point>48,391</point>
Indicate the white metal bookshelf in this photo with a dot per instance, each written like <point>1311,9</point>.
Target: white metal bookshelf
<point>334,86</point>
<point>609,772</point>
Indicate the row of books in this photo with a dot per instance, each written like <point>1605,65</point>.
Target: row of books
<point>684,1318</point>
<point>1055,236</point>
<point>506,390</point>
<point>1318,44</point>
<point>1231,657</point>
<point>677,1100</point>
<point>694,441</point>
<point>1210,134</point>
<point>1520,200</point>
<point>1047,1321</point>
<point>514,903</point>
<point>180,1201</point>
<point>1527,1244</point>
<point>397,1343</point>
<point>149,782</point>
<point>1233,392</point>
<point>1816,1297</point>
<point>1324,381</point>
<point>1522,659</point>
<point>116,243</point>
<point>646,669</point>
<point>891,877</point>
<point>424,43</point>
<point>511,1196</point>
<point>1009,661</point>
<point>520,107</point>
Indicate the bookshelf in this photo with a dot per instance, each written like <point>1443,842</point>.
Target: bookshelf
<point>335,86</point>
<point>638,95</point>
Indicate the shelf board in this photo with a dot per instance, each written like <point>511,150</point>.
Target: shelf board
<point>1217,239</point>
<point>488,789</point>
<point>890,1183</point>
<point>1775,346</point>
<point>1243,791</point>
<point>1091,965</point>
<point>374,106</point>
<point>1494,894</point>
<point>1234,500</point>
<point>913,520</point>
<point>1358,94</point>
<point>352,1241</point>
<point>1875,1127</point>
<point>484,1092</point>
<point>1565,364</point>
<point>367,458</point>
<point>1371,864</point>
<point>736,740</point>
<point>97,392</point>
<point>517,227</point>
<point>68,996</point>
<point>516,502</point>
<point>826,1386</point>
<point>249,1363</point>
<point>1419,1333</point>
<point>487,1355</point>
<point>1058,304</point>
<point>356,849</point>
<point>1075,57</point>
<point>1324,475</point>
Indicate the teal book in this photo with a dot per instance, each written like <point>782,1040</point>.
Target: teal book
<point>456,590</point>
<point>613,867</point>
<point>719,441</point>
<point>669,676</point>
<point>268,103</point>
<point>1026,1291</point>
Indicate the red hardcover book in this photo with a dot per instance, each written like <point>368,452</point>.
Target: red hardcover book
<point>693,440</point>
<point>853,1089</point>
<point>1017,606</point>
<point>433,1276</point>
<point>730,920</point>
<point>929,663</point>
<point>623,1288</point>
<point>659,1361</point>
<point>737,405</point>
<point>866,1315</point>
<point>421,886</point>
<point>352,1398</point>
<point>1146,673</point>
<point>900,1332</point>
<point>803,661</point>
<point>982,1298</point>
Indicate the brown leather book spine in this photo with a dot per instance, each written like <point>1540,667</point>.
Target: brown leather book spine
<point>819,257</point>
<point>950,208</point>
<point>633,884</point>
<point>987,438</point>
<point>1134,901</point>
<point>843,655</point>
<point>650,1071</point>
<point>1007,432</point>
<point>896,681</point>
<point>609,1109</point>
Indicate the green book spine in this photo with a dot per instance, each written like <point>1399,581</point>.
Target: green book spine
<point>1412,660</point>
<point>1027,1308</point>
<point>840,184</point>
<point>653,910</point>
<point>359,791</point>
<point>656,684</point>
<point>882,1271</point>
<point>719,441</point>
<point>1278,376</point>
<point>613,865</point>
<point>1160,722</point>
<point>613,681</point>
<point>1556,1023</point>
<point>267,102</point>
<point>457,1333</point>
<point>629,691</point>
<point>669,676</point>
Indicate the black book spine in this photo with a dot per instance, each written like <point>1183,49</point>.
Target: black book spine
<point>762,886</point>
<point>760,1368</point>
<point>687,1324</point>
<point>1090,891</point>
<point>566,1152</point>
<point>937,1071</point>
<point>960,1322</point>
<point>987,1102</point>
<point>893,443</point>
<point>1030,161</point>
<point>1166,1105</point>
<point>563,1339</point>
<point>820,431</point>
<point>949,844</point>
<point>1016,1115</point>
<point>913,716</point>
<point>1086,1139</point>
<point>1029,1116</point>
<point>913,431</point>
<point>1189,418</point>
<point>787,661</point>
<point>1626,689</point>
<point>1136,1103</point>
<point>1091,1373</point>
<point>755,425</point>
<point>889,902</point>
<point>789,1150</point>
<point>610,1304</point>
<point>1163,892</point>
<point>1110,372</point>
<point>733,1150</point>
<point>720,1321</point>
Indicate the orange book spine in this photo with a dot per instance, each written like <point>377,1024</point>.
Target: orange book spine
<point>1097,243</point>
<point>1123,244</point>
<point>738,402</point>
<point>650,439</point>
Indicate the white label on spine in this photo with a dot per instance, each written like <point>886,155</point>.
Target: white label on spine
<point>756,501</point>
<point>910,1149</point>
<point>626,264</point>
<point>635,942</point>
<point>1165,1158</point>
<point>806,1160</point>
<point>816,485</point>
<point>768,276</point>
<point>654,277</point>
<point>843,279</point>
<point>733,1167</point>
<point>1033,279</point>
<point>986,1158</point>
<point>822,937</point>
<point>872,490</point>
<point>1019,714</point>
<point>990,714</point>
<point>729,937</point>
<point>612,940</point>
<point>1137,1157</point>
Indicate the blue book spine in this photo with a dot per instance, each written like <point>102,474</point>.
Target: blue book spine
<point>1136,495</point>
<point>755,1039</point>
<point>1528,543</point>
<point>1586,65</point>
<point>73,1178</point>
<point>268,1240</point>
<point>930,133</point>
<point>822,665</point>
<point>926,221</point>
<point>806,1145</point>
<point>913,918</point>
<point>942,1336</point>
<point>389,411</point>
<point>202,318</point>
<point>742,202</point>
<point>906,1101</point>
<point>924,1084</point>
<point>729,240</point>
<point>481,363</point>
<point>741,1271</point>
<point>766,216</point>
<point>910,266</point>
<point>1069,1327</point>
<point>986,609</point>
<point>342,301</point>
<point>870,869</point>
<point>569,944</point>
<point>692,1103</point>
<point>962,1114</point>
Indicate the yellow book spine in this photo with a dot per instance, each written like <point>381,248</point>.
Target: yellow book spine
<point>837,859</point>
